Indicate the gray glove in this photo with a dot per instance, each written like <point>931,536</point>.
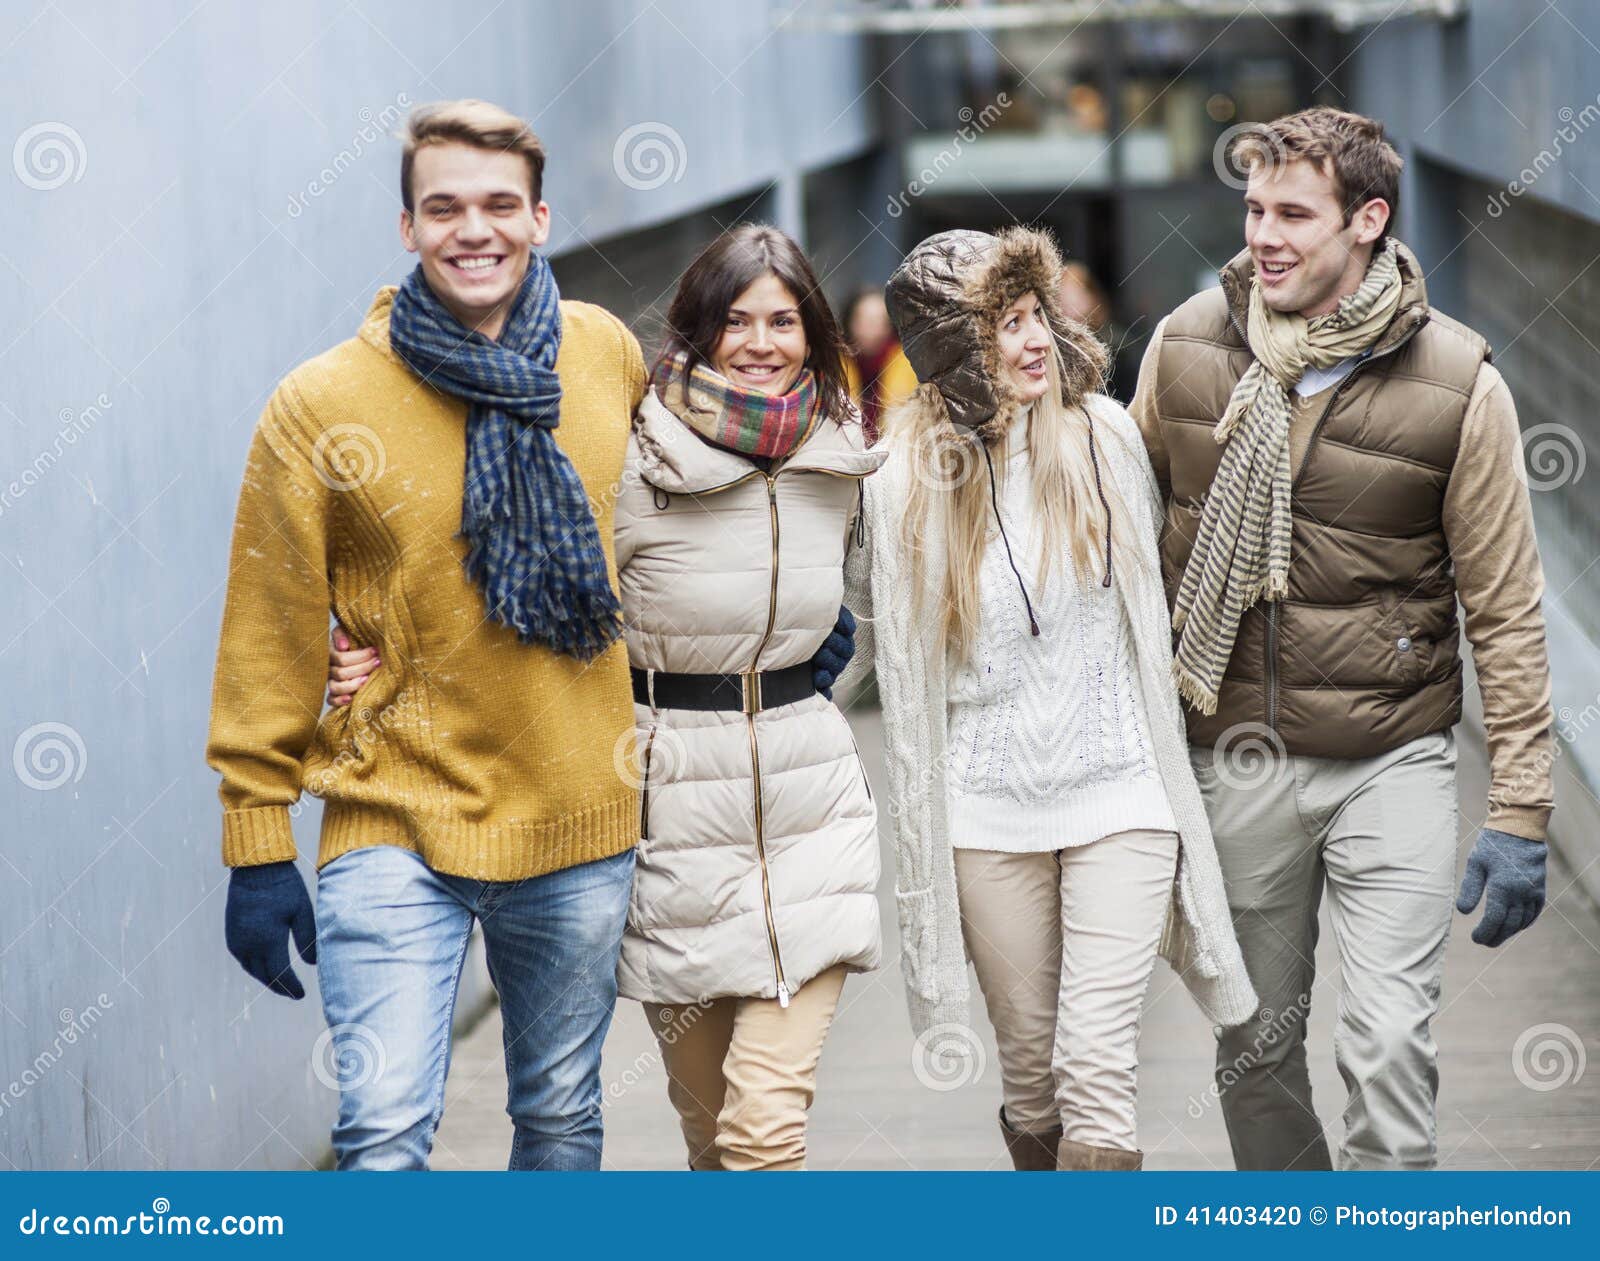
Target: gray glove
<point>1511,868</point>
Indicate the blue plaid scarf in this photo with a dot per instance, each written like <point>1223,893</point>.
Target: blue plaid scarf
<point>533,546</point>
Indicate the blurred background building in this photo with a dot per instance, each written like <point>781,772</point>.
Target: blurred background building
<point>203,196</point>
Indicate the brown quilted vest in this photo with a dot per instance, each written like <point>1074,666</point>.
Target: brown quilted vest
<point>1362,655</point>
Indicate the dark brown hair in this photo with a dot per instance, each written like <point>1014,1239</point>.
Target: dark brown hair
<point>476,123</point>
<point>725,269</point>
<point>1349,147</point>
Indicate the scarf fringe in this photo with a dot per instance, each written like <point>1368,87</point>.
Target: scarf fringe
<point>1193,690</point>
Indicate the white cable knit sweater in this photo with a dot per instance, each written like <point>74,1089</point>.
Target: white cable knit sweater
<point>1049,740</point>
<point>909,658</point>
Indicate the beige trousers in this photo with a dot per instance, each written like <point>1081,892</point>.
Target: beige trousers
<point>1379,834</point>
<point>742,1072</point>
<point>1064,944</point>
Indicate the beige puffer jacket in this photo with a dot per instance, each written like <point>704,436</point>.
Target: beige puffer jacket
<point>758,851</point>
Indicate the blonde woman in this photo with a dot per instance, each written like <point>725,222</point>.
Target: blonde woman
<point>1047,821</point>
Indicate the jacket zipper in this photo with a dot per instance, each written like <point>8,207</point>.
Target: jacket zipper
<point>1316,430</point>
<point>755,751</point>
<point>780,979</point>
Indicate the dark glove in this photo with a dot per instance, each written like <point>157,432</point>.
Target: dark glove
<point>265,904</point>
<point>835,653</point>
<point>1512,869</point>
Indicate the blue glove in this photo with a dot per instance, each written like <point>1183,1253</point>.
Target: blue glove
<point>835,653</point>
<point>265,904</point>
<point>1512,869</point>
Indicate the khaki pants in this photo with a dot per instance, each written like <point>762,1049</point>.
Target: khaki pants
<point>742,1073</point>
<point>1381,833</point>
<point>1064,944</point>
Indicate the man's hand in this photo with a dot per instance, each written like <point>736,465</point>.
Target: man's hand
<point>835,653</point>
<point>1511,868</point>
<point>265,905</point>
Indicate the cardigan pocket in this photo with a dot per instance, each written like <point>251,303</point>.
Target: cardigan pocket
<point>918,942</point>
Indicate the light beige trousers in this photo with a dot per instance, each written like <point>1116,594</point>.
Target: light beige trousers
<point>1064,943</point>
<point>742,1072</point>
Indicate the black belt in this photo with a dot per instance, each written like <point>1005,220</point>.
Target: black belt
<point>742,693</point>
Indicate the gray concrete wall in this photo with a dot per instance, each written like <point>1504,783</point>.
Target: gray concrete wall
<point>1498,116</point>
<point>198,201</point>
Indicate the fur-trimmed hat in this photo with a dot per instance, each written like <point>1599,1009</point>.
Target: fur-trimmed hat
<point>946,299</point>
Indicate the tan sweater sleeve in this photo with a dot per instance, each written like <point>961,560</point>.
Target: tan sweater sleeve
<point>1143,411</point>
<point>272,660</point>
<point>1488,523</point>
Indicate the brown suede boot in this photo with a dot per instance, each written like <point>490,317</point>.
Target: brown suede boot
<point>1031,1152</point>
<point>1074,1155</point>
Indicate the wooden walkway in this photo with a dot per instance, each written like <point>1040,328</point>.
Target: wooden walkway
<point>1528,1000</point>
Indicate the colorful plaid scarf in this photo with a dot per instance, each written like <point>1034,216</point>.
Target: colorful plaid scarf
<point>773,426</point>
<point>533,546</point>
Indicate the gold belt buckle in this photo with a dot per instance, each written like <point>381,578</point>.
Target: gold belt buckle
<point>750,688</point>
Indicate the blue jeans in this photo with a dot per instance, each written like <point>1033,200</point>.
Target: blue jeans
<point>391,937</point>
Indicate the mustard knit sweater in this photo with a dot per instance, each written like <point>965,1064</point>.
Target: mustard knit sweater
<point>489,758</point>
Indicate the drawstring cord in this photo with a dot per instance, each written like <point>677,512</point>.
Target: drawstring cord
<point>1101,491</point>
<point>994,499</point>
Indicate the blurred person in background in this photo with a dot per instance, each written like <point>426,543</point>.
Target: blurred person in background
<point>879,376</point>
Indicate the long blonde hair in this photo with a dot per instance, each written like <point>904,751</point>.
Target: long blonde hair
<point>950,474</point>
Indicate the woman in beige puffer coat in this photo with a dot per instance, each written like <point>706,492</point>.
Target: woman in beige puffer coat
<point>757,865</point>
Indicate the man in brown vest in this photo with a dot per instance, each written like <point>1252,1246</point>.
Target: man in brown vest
<point>1341,464</point>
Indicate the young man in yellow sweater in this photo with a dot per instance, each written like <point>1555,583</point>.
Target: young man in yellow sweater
<point>441,484</point>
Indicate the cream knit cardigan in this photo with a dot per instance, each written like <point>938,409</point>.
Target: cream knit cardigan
<point>909,659</point>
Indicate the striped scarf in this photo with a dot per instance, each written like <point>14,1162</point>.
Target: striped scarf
<point>772,426</point>
<point>533,547</point>
<point>1241,551</point>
